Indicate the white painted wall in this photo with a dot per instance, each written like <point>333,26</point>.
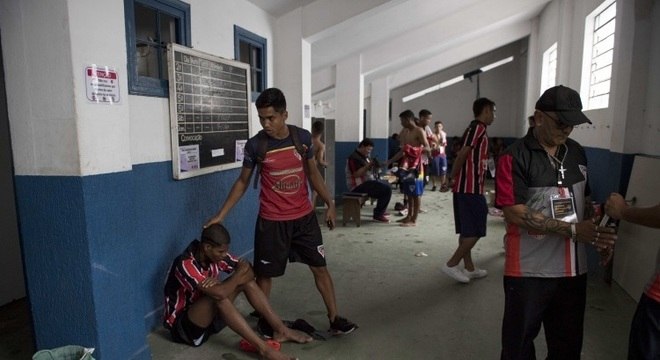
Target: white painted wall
<point>378,113</point>
<point>453,105</point>
<point>41,110</point>
<point>650,139</point>
<point>349,100</point>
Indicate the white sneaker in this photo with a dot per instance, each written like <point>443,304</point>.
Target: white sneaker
<point>476,274</point>
<point>455,273</point>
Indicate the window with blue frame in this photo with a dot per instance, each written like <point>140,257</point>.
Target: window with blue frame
<point>250,48</point>
<point>150,26</point>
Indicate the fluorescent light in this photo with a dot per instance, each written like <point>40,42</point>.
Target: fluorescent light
<point>497,63</point>
<point>450,82</point>
<point>455,80</point>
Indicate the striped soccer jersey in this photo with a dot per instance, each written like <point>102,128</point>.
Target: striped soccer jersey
<point>471,177</point>
<point>184,275</point>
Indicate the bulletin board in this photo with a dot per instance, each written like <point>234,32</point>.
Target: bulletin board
<point>209,111</point>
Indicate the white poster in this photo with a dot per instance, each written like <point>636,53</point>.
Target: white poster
<point>240,148</point>
<point>189,157</point>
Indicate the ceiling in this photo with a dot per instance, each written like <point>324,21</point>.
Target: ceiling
<point>406,40</point>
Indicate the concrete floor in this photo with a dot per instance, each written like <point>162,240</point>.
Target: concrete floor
<point>405,306</point>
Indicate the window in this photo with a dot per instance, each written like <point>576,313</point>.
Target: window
<point>549,70</point>
<point>250,48</point>
<point>598,55</point>
<point>150,26</point>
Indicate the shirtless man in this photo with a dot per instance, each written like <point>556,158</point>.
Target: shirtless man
<point>413,143</point>
<point>319,151</point>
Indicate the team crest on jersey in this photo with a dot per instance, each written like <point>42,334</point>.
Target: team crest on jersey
<point>321,250</point>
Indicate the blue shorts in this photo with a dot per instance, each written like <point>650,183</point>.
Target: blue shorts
<point>438,166</point>
<point>412,186</point>
<point>470,214</point>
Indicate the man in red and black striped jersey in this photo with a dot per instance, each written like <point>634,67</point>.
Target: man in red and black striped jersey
<point>467,178</point>
<point>286,228</point>
<point>541,186</point>
<point>644,341</point>
<point>199,304</point>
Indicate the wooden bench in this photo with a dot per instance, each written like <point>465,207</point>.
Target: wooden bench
<point>352,203</point>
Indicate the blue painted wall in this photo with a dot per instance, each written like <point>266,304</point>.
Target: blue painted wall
<point>97,249</point>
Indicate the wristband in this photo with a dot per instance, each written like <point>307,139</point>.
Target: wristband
<point>573,232</point>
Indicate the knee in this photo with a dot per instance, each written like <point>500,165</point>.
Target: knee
<point>319,271</point>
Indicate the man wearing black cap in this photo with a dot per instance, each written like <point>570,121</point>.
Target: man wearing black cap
<point>542,188</point>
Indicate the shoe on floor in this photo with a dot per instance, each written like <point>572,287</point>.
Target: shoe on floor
<point>434,188</point>
<point>399,206</point>
<point>476,274</point>
<point>455,273</point>
<point>403,212</point>
<point>341,326</point>
<point>382,218</point>
<point>264,328</point>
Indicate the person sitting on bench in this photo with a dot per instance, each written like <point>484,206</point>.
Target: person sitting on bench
<point>361,178</point>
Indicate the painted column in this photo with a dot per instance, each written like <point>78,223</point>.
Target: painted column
<point>380,124</point>
<point>293,69</point>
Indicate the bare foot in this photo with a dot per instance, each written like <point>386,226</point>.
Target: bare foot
<point>408,224</point>
<point>292,335</point>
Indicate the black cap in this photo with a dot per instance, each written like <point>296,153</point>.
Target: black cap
<point>565,102</point>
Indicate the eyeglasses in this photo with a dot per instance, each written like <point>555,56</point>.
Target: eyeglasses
<point>558,124</point>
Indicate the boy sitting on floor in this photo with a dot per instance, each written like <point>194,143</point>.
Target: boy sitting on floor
<point>198,304</point>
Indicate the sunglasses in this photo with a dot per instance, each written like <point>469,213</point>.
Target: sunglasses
<point>558,124</point>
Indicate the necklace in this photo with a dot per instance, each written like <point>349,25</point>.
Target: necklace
<point>554,161</point>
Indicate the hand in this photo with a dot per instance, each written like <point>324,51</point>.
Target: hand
<point>214,220</point>
<point>601,237</point>
<point>209,282</point>
<point>330,217</point>
<point>615,206</point>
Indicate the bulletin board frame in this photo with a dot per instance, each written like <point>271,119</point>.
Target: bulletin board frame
<point>210,118</point>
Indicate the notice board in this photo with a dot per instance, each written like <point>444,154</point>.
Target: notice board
<point>209,111</point>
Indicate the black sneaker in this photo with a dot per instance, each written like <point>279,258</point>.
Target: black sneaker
<point>264,328</point>
<point>341,326</point>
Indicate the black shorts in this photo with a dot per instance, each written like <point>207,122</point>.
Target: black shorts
<point>185,332</point>
<point>276,242</point>
<point>470,214</point>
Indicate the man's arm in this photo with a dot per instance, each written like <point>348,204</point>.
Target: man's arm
<point>461,156</point>
<point>235,194</point>
<point>617,208</point>
<point>423,140</point>
<point>316,180</point>
<point>227,289</point>
<point>359,172</point>
<point>320,155</point>
<point>586,231</point>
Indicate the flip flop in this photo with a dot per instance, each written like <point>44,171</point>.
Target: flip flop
<point>304,326</point>
<point>245,345</point>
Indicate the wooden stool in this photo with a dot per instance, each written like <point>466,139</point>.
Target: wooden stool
<point>352,203</point>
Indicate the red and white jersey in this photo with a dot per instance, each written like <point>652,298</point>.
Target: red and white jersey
<point>471,177</point>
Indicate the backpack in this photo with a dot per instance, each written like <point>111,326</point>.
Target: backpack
<point>262,147</point>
